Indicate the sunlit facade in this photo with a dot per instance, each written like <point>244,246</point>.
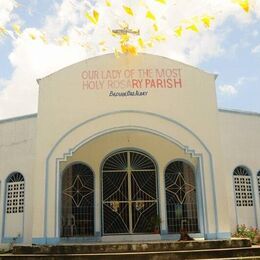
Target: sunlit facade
<point>128,149</point>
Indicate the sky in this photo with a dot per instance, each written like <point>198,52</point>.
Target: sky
<point>53,34</point>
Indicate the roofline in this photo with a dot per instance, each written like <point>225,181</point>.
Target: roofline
<point>224,110</point>
<point>18,118</point>
<point>237,111</point>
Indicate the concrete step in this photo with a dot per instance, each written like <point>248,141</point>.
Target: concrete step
<point>155,246</point>
<point>224,253</point>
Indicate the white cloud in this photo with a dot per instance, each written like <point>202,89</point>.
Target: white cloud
<point>232,90</point>
<point>34,59</point>
<point>228,90</point>
<point>245,80</point>
<point>255,33</point>
<point>6,9</point>
<point>256,7</point>
<point>256,49</point>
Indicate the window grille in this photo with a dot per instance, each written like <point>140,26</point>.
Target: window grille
<point>181,198</point>
<point>15,193</point>
<point>130,202</point>
<point>77,201</point>
<point>243,187</point>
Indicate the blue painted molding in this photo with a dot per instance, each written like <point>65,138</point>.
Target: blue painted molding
<point>10,240</point>
<point>98,234</point>
<point>202,206</point>
<point>211,236</point>
<point>164,232</point>
<point>58,240</point>
<point>130,112</point>
<point>177,236</point>
<point>44,241</point>
<point>237,111</point>
<point>219,235</point>
<point>224,235</point>
<point>17,118</point>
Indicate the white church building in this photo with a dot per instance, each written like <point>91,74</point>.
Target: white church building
<point>128,149</point>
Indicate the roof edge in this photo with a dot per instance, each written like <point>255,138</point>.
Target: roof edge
<point>238,111</point>
<point>6,120</point>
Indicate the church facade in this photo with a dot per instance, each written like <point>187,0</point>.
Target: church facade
<point>128,149</point>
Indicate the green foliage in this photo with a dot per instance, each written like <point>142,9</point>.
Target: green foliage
<point>248,232</point>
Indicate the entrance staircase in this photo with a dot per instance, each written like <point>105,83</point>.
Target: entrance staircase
<point>156,250</point>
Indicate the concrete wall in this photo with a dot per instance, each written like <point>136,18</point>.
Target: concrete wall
<point>240,139</point>
<point>82,118</point>
<point>77,111</point>
<point>161,150</point>
<point>17,154</point>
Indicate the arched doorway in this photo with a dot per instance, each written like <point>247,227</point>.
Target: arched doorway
<point>77,201</point>
<point>129,192</point>
<point>181,198</point>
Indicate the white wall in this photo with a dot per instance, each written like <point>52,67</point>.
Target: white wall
<point>224,139</point>
<point>17,154</point>
<point>187,114</point>
<point>94,153</point>
<point>240,139</point>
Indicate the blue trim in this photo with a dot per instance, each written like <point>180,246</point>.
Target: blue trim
<point>237,111</point>
<point>44,241</point>
<point>211,236</point>
<point>177,236</point>
<point>80,239</point>
<point>127,129</point>
<point>224,235</point>
<point>200,190</point>
<point>164,232</point>
<point>98,234</point>
<point>57,240</point>
<point>124,112</point>
<point>17,118</point>
<point>219,235</point>
<point>38,241</point>
<point>14,240</point>
<point>150,131</point>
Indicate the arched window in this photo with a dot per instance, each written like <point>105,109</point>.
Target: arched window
<point>243,187</point>
<point>130,200</point>
<point>77,201</point>
<point>15,193</point>
<point>181,198</point>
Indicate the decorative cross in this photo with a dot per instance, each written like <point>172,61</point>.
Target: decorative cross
<point>125,30</point>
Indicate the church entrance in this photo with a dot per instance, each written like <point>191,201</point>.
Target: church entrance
<point>129,194</point>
